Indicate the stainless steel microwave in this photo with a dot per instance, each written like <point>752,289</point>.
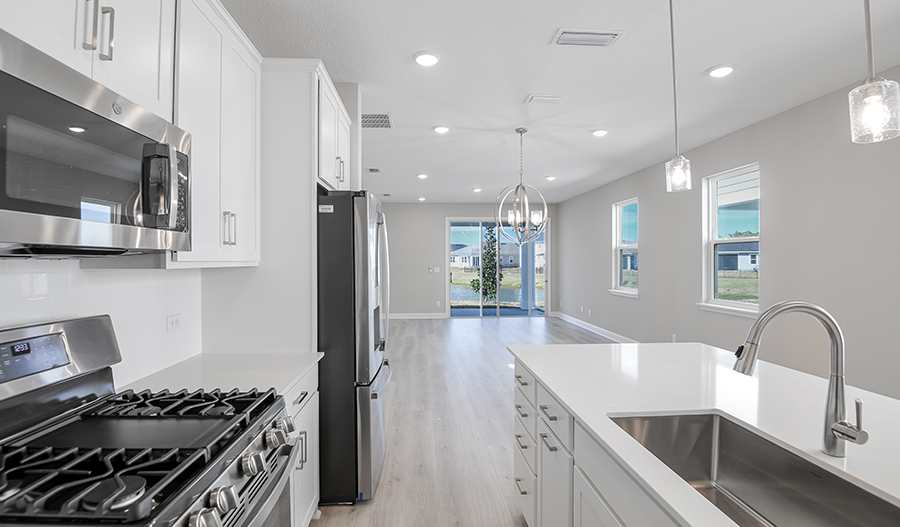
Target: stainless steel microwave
<point>84,171</point>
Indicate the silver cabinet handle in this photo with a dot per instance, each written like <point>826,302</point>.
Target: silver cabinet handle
<point>521,492</point>
<point>342,169</point>
<point>112,31</point>
<point>550,447</point>
<point>521,446</point>
<point>304,439</point>
<point>543,408</point>
<point>93,43</point>
<point>227,228</point>
<point>234,228</point>
<point>520,381</point>
<point>301,398</point>
<point>522,414</point>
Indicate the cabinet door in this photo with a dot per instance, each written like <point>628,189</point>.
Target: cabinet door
<point>589,508</point>
<point>58,28</point>
<point>240,96</point>
<point>199,105</point>
<point>136,51</point>
<point>328,126</point>
<point>306,471</point>
<point>554,480</point>
<point>343,140</point>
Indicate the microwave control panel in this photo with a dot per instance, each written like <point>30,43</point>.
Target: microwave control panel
<point>27,357</point>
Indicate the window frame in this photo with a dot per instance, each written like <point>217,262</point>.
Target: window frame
<point>711,240</point>
<point>618,246</point>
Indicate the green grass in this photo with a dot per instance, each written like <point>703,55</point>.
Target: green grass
<point>738,289</point>
<point>513,281</point>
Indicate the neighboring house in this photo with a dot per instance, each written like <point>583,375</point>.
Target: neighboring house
<point>470,256</point>
<point>739,256</point>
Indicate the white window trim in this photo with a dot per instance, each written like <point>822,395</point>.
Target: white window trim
<point>710,302</point>
<point>618,246</point>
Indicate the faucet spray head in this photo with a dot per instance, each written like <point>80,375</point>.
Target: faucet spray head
<point>746,358</point>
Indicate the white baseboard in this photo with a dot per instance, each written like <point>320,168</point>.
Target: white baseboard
<point>417,315</point>
<point>615,337</point>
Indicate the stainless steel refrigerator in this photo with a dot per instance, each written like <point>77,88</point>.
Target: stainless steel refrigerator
<point>353,310</point>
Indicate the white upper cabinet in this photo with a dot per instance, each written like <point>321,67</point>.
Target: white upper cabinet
<point>126,45</point>
<point>218,97</point>
<point>334,138</point>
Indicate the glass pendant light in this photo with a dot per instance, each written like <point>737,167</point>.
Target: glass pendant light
<point>525,223</point>
<point>875,105</point>
<point>678,169</point>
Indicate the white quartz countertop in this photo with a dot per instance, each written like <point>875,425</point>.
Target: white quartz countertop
<point>231,370</point>
<point>595,381</point>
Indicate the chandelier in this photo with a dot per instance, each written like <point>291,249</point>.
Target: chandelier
<point>518,205</point>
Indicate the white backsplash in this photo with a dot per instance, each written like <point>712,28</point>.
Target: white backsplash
<point>138,301</point>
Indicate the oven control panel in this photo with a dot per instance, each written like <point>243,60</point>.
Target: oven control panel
<point>27,357</point>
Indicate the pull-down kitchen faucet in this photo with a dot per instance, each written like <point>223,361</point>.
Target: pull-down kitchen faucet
<point>837,430</point>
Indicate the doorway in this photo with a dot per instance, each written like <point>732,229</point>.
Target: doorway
<point>492,277</point>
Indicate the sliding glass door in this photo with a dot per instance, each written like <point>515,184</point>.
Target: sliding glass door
<point>491,279</point>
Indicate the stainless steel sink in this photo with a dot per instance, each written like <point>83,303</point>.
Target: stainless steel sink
<point>752,480</point>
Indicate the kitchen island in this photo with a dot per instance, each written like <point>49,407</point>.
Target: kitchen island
<point>594,382</point>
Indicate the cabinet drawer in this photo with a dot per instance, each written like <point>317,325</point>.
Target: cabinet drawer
<point>623,495</point>
<point>526,486</point>
<point>556,416</point>
<point>525,382</point>
<point>526,445</point>
<point>299,395</point>
<point>525,412</point>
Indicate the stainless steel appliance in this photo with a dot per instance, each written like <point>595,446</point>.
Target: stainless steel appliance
<point>84,171</point>
<point>74,452</point>
<point>353,306</point>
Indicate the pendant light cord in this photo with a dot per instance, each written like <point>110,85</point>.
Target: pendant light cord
<point>869,42</point>
<point>521,153</point>
<point>674,84</point>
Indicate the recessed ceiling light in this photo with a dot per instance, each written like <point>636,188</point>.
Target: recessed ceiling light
<point>422,176</point>
<point>77,129</point>
<point>600,132</point>
<point>441,129</point>
<point>427,58</point>
<point>421,199</point>
<point>550,178</point>
<point>722,70</point>
<point>476,190</point>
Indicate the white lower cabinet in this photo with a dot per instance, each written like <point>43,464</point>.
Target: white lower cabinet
<point>526,488</point>
<point>588,507</point>
<point>305,479</point>
<point>554,474</point>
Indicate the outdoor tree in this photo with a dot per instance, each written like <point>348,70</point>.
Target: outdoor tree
<point>489,275</point>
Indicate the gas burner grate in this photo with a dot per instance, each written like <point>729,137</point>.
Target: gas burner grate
<point>199,403</point>
<point>122,485</point>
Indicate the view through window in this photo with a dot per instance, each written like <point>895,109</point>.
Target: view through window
<point>734,237</point>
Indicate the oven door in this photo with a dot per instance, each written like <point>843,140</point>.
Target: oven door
<point>274,506</point>
<point>83,167</point>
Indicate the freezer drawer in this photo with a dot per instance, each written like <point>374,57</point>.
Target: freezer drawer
<point>370,410</point>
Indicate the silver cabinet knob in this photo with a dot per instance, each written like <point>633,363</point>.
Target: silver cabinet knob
<point>205,518</point>
<point>224,499</point>
<point>275,437</point>
<point>253,463</point>
<point>286,424</point>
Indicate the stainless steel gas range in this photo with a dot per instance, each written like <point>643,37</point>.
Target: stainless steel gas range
<point>74,452</point>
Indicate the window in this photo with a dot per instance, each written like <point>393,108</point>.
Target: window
<point>625,248</point>
<point>731,241</point>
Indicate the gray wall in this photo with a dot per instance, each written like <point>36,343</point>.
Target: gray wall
<point>828,235</point>
<point>417,239</point>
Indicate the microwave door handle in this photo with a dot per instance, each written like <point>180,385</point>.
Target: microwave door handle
<point>172,190</point>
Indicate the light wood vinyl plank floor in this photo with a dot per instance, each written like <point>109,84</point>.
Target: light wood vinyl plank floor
<point>449,412</point>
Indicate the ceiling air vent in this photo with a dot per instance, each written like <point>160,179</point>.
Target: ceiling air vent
<point>374,170</point>
<point>586,37</point>
<point>545,98</point>
<point>375,120</point>
<point>386,195</point>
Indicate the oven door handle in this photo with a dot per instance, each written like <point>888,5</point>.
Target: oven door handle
<point>259,516</point>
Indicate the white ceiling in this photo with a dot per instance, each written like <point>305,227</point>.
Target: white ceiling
<point>496,52</point>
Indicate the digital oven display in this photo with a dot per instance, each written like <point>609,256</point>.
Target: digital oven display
<point>20,348</point>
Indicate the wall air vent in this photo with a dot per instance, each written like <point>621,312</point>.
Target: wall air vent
<point>374,170</point>
<point>375,120</point>
<point>586,37</point>
<point>386,195</point>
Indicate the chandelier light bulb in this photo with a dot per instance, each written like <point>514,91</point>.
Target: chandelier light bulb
<point>536,217</point>
<point>678,174</point>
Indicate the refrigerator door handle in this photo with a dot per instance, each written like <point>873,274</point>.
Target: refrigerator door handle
<point>375,393</point>
<point>384,265</point>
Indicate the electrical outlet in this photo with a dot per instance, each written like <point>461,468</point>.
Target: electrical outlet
<point>438,303</point>
<point>589,312</point>
<point>673,338</point>
<point>582,309</point>
<point>173,323</point>
<point>430,269</point>
<point>437,269</point>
